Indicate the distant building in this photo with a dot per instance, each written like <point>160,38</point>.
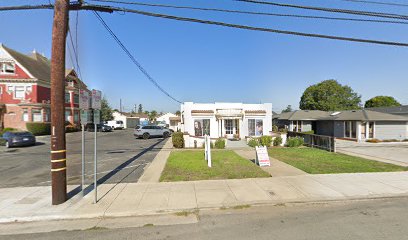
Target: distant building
<point>170,120</point>
<point>25,89</point>
<point>228,120</point>
<point>130,120</point>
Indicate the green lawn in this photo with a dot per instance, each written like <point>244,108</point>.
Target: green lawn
<point>316,161</point>
<point>190,166</point>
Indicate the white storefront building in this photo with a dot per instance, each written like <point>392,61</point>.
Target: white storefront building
<point>229,120</point>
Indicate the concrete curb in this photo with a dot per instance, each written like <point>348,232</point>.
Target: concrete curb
<point>176,210</point>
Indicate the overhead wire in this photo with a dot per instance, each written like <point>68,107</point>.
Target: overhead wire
<point>251,12</point>
<point>149,77</point>
<point>333,10</point>
<point>224,24</point>
<point>230,25</point>
<point>378,3</point>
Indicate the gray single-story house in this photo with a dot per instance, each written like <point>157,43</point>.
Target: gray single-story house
<point>400,110</point>
<point>351,124</point>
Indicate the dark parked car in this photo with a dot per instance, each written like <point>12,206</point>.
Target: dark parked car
<point>17,139</point>
<point>90,127</point>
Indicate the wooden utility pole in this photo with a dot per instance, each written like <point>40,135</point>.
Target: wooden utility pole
<point>58,146</point>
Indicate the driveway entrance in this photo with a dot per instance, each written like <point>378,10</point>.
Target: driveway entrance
<point>395,153</point>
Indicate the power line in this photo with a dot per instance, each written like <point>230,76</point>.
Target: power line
<point>27,7</point>
<point>378,3</point>
<point>75,53</point>
<point>110,9</point>
<point>251,12</point>
<point>334,10</point>
<point>230,25</point>
<point>132,57</point>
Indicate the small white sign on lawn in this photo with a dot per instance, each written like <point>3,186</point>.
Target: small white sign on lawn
<point>207,144</point>
<point>262,157</point>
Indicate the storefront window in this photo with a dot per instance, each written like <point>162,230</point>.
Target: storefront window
<point>201,127</point>
<point>255,127</point>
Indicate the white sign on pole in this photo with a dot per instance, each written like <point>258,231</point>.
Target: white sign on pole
<point>262,157</point>
<point>96,99</point>
<point>207,144</point>
<point>83,99</point>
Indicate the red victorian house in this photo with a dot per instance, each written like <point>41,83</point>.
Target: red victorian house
<point>25,89</point>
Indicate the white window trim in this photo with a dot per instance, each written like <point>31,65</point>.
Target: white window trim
<point>3,68</point>
<point>15,91</point>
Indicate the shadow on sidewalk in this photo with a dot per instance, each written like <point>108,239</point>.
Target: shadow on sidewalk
<point>109,175</point>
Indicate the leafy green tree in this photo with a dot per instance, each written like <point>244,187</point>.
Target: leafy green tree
<point>153,115</point>
<point>178,113</point>
<point>382,101</point>
<point>288,109</point>
<point>329,95</point>
<point>140,108</point>
<point>106,110</point>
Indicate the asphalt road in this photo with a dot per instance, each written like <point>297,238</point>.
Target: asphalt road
<point>121,158</point>
<point>371,220</point>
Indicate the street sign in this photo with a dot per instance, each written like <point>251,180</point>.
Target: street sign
<point>84,117</point>
<point>83,99</point>
<point>97,116</point>
<point>262,157</point>
<point>96,99</point>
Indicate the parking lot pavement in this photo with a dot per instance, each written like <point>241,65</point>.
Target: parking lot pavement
<point>121,158</point>
<point>395,153</point>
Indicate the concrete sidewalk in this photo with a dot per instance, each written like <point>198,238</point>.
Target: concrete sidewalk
<point>277,168</point>
<point>154,170</point>
<point>135,199</point>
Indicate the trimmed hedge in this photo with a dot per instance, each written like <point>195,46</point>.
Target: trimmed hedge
<point>178,140</point>
<point>265,141</point>
<point>220,143</point>
<point>253,142</point>
<point>39,128</point>
<point>277,141</point>
<point>295,142</point>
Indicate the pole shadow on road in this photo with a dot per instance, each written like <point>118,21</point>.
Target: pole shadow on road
<point>103,179</point>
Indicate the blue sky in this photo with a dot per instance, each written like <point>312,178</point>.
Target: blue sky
<point>203,63</point>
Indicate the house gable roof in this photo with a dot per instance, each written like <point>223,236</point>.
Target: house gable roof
<point>302,115</point>
<point>400,110</point>
<point>36,65</point>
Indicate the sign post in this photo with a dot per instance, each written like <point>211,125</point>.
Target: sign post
<point>96,105</point>
<point>207,144</point>
<point>262,157</point>
<point>84,106</point>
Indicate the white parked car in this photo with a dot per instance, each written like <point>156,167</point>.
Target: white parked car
<point>115,124</point>
<point>148,131</point>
